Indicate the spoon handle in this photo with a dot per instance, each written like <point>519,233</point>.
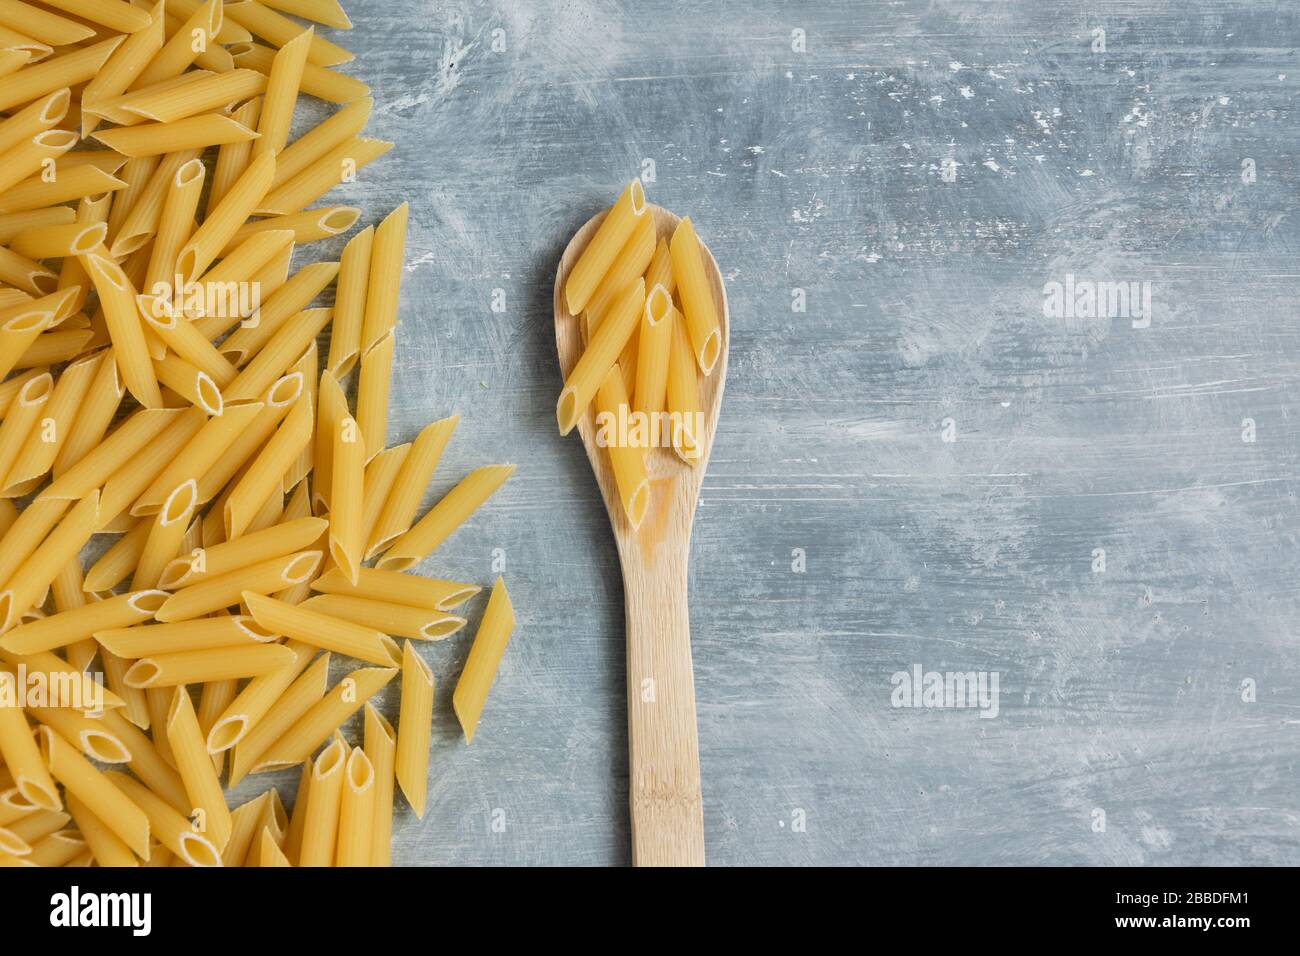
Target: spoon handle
<point>664,758</point>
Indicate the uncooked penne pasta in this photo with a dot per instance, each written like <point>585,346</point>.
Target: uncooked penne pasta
<point>281,539</point>
<point>604,247</point>
<point>316,142</point>
<point>56,242</point>
<point>36,117</point>
<point>184,46</point>
<point>444,517</point>
<point>93,788</point>
<point>320,720</point>
<point>224,590</point>
<point>58,72</point>
<point>377,485</point>
<point>226,217</point>
<point>38,192</point>
<point>347,471</point>
<point>343,161</point>
<point>209,664</point>
<point>63,544</point>
<point>87,734</point>
<point>201,453</point>
<point>257,698</point>
<point>125,328</point>
<point>602,351</point>
<point>628,460</point>
<point>305,624</point>
<point>284,348</point>
<point>357,812</point>
<point>21,755</point>
<point>68,627</point>
<point>388,618</point>
<point>306,226</point>
<point>484,658</point>
<point>696,294</point>
<point>167,825</point>
<point>192,132</point>
<point>107,847</point>
<point>117,15</point>
<point>277,311</point>
<point>386,258</point>
<point>350,302</point>
<point>302,694</point>
<point>282,87</point>
<point>412,481</point>
<point>165,533</point>
<point>324,796</point>
<point>190,754</point>
<point>318,81</point>
<point>628,266</point>
<point>42,445</point>
<point>380,745</point>
<point>414,727</point>
<point>397,587</point>
<point>373,388</point>
<point>682,398</point>
<point>265,472</point>
<point>126,64</point>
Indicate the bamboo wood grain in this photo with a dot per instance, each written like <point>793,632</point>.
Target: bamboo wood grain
<point>664,758</point>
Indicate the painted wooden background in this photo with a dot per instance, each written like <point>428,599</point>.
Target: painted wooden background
<point>921,467</point>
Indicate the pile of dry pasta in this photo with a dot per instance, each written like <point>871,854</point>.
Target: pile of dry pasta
<point>651,328</point>
<point>161,383</point>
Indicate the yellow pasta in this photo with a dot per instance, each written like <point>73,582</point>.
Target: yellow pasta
<point>604,247</point>
<point>212,441</point>
<point>185,44</point>
<point>284,348</point>
<point>385,279</point>
<point>380,476</point>
<point>165,534</point>
<point>601,352</point>
<point>321,139</point>
<point>484,658</point>
<point>326,84</point>
<point>304,624</point>
<point>306,226</point>
<point>226,217</point>
<point>96,790</point>
<point>277,311</point>
<point>380,745</point>
<point>21,418</point>
<point>167,825</point>
<point>58,72</point>
<point>411,482</point>
<point>265,472</point>
<point>190,754</point>
<point>632,261</point>
<point>414,726</point>
<point>125,328</point>
<point>15,224</point>
<point>282,88</point>
<point>192,132</point>
<point>209,664</point>
<point>302,694</point>
<point>87,734</point>
<point>68,627</point>
<point>257,698</point>
<point>107,847</point>
<point>42,445</point>
<point>281,539</point>
<point>654,344</point>
<point>232,630</point>
<point>628,460</point>
<point>321,719</point>
<point>21,755</point>
<point>696,294</point>
<point>36,117</point>
<point>224,590</point>
<point>357,812</point>
<point>444,517</point>
<point>373,389</point>
<point>396,587</point>
<point>347,470</point>
<point>232,158</point>
<point>124,66</point>
<point>350,302</point>
<point>50,242</point>
<point>37,192</point>
<point>117,15</point>
<point>128,482</point>
<point>63,544</point>
<point>389,618</point>
<point>683,396</point>
<point>328,12</point>
<point>324,797</point>
<point>322,175</point>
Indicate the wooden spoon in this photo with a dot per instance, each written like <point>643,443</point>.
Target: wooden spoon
<point>664,757</point>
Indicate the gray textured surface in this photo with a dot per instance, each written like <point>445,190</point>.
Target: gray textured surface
<point>822,170</point>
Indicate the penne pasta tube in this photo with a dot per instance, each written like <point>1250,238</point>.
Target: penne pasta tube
<point>257,698</point>
<point>414,727</point>
<point>21,417</point>
<point>327,12</point>
<point>135,703</point>
<point>26,533</point>
<point>245,821</point>
<point>682,397</point>
<point>68,627</point>
<point>630,264</point>
<point>81,688</point>
<point>125,328</point>
<point>108,849</point>
<point>216,697</point>
<point>300,623</point>
<point>284,348</point>
<point>628,460</point>
<point>87,734</point>
<point>124,66</point>
<point>247,258</point>
<point>208,804</point>
<point>11,61</point>
<point>21,755</point>
<point>44,113</point>
<point>444,517</point>
<point>16,223</point>
<point>297,820</point>
<point>380,476</point>
<point>281,539</point>
<point>373,386</point>
<point>58,72</point>
<point>400,620</point>
<point>277,401</point>
<point>309,365</point>
<point>357,812</point>
<point>165,533</point>
<point>167,825</point>
<point>146,762</point>
<point>232,158</point>
<point>36,824</point>
<point>263,477</point>
<point>58,849</point>
<point>189,382</point>
<point>195,461</point>
<point>279,30</point>
<point>347,471</point>
<point>324,797</point>
<point>192,132</point>
<point>396,587</point>
<point>602,351</point>
<point>95,468</point>
<point>129,482</point>
<point>309,225</point>
<point>231,630</point>
<point>224,218</point>
<point>199,667</point>
<point>339,128</point>
<point>318,81</point>
<point>224,590</point>
<point>484,658</point>
<point>604,247</point>
<point>696,295</point>
<point>287,301</point>
<point>34,154</point>
<point>56,242</point>
<point>23,273</point>
<point>194,36</point>
<point>380,745</point>
<point>87,428</point>
<point>230,31</point>
<point>118,15</point>
<point>79,182</point>
<point>175,222</point>
<point>386,259</point>
<point>303,693</point>
<point>94,789</point>
<point>331,410</point>
<point>117,563</point>
<point>42,444</point>
<point>340,163</point>
<point>324,717</point>
<point>49,558</point>
<point>350,302</point>
<point>270,855</point>
<point>282,87</point>
<point>54,348</point>
<point>408,489</point>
